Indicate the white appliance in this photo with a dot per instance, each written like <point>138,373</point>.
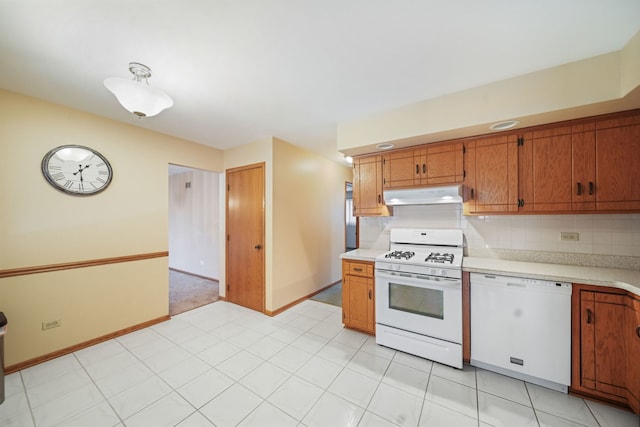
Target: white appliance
<point>419,294</point>
<point>522,328</point>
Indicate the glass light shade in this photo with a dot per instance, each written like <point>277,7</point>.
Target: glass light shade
<point>138,97</point>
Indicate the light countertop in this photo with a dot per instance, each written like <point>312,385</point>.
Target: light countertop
<point>363,254</point>
<point>628,280</point>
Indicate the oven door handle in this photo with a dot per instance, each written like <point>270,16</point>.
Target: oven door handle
<point>419,279</point>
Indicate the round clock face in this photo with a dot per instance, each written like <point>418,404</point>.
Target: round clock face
<point>76,170</point>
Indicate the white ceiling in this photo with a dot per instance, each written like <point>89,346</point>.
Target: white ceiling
<point>240,71</point>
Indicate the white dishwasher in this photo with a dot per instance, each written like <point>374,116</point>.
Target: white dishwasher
<point>522,328</point>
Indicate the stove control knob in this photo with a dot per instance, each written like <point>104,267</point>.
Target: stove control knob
<point>434,272</point>
<point>443,273</point>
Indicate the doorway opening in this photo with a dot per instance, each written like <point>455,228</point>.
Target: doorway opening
<point>351,222</point>
<point>194,238</point>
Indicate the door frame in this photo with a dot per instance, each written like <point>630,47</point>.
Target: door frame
<point>346,186</point>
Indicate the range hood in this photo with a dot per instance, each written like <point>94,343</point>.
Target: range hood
<point>423,196</point>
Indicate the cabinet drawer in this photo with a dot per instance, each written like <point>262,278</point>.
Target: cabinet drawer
<point>360,269</point>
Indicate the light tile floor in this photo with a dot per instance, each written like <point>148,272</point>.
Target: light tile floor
<point>224,365</point>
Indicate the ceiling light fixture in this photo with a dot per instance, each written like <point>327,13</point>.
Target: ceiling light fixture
<point>385,146</point>
<point>136,95</point>
<point>504,125</point>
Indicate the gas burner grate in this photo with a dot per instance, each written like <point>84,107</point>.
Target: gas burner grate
<point>400,254</point>
<point>438,257</point>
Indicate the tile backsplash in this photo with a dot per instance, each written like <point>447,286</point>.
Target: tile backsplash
<point>497,235</point>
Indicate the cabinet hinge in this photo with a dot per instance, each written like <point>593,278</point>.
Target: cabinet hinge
<point>521,140</point>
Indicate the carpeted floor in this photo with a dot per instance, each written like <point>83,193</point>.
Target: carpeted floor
<point>332,295</point>
<point>187,292</point>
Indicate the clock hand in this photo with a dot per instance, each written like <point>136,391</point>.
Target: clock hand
<point>80,169</point>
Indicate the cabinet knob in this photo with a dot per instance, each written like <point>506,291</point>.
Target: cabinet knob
<point>370,298</point>
<point>638,331</point>
<point>589,316</point>
<point>417,169</point>
<point>258,246</point>
<point>591,188</point>
<point>424,168</point>
<point>579,189</point>
<point>472,194</point>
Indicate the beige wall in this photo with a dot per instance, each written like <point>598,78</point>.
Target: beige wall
<point>304,217</point>
<point>592,86</point>
<point>308,222</point>
<point>41,226</point>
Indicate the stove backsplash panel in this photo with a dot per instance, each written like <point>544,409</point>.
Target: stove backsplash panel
<point>606,240</point>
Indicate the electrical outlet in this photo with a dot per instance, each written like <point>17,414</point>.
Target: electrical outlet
<point>569,237</point>
<point>49,324</point>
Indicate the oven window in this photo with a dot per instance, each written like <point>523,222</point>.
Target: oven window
<point>425,302</point>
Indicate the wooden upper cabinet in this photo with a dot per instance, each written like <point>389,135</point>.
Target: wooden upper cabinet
<point>401,169</point>
<point>544,170</point>
<point>431,164</point>
<point>367,187</point>
<point>617,160</point>
<point>444,163</point>
<point>583,167</point>
<point>491,184</point>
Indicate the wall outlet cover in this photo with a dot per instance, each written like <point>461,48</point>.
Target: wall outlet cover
<point>49,324</point>
<point>569,237</point>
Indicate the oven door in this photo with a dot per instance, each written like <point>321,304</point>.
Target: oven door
<point>426,305</point>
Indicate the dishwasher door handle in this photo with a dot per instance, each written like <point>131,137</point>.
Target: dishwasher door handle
<point>516,285</point>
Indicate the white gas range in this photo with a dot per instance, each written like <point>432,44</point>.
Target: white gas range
<point>419,294</point>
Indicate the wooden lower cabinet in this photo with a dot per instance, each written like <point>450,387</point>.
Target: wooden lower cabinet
<point>358,296</point>
<point>605,356</point>
<point>632,340</point>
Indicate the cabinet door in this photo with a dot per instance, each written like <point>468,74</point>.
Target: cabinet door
<point>603,342</point>
<point>632,340</point>
<point>360,296</point>
<point>583,157</point>
<point>367,186</point>
<point>442,164</point>
<point>545,171</point>
<point>493,162</point>
<point>617,160</point>
<point>402,169</point>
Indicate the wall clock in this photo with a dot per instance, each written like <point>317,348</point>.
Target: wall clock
<point>76,170</point>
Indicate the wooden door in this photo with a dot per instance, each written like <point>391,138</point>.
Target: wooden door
<point>402,169</point>
<point>603,342</point>
<point>545,175</point>
<point>367,186</point>
<point>360,312</point>
<point>443,164</point>
<point>245,236</point>
<point>495,172</point>
<point>632,339</point>
<point>617,160</point>
<point>583,158</point>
